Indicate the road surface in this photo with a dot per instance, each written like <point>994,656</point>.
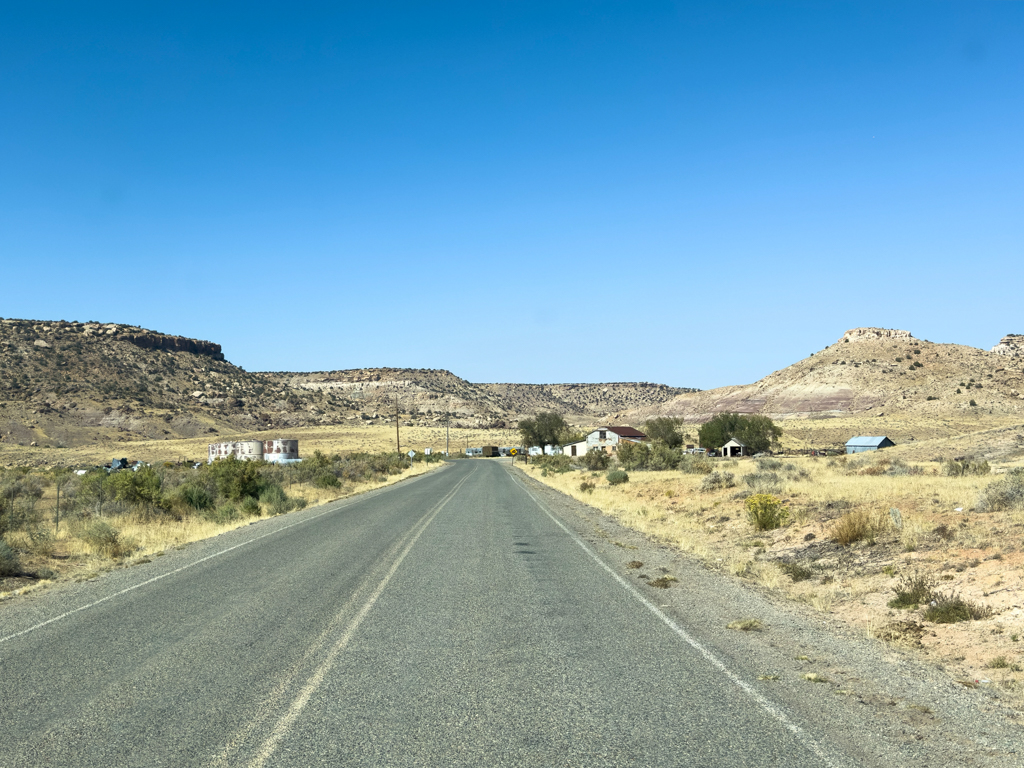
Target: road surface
<point>451,620</point>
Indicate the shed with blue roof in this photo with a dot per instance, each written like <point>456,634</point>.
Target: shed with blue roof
<point>861,444</point>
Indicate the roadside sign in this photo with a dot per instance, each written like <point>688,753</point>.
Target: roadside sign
<point>412,454</point>
<point>513,451</point>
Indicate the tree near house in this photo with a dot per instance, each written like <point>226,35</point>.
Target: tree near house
<point>664,429</point>
<point>546,428</point>
<point>758,433</point>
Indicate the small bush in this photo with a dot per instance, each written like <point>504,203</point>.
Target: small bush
<point>951,608</point>
<point>912,591</point>
<point>695,464</point>
<point>250,506</point>
<point>617,477</point>
<point>326,480</point>
<point>10,565</point>
<point>855,526</point>
<point>587,487</point>
<point>274,499</point>
<point>769,464</point>
<point>766,512</point>
<point>764,482</point>
<point>596,459</point>
<point>900,468</point>
<point>716,481</point>
<point>962,467</point>
<point>795,571</point>
<point>225,513</point>
<point>195,496</point>
<point>105,539</point>
<point>1007,493</point>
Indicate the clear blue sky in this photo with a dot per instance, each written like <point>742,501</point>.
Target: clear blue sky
<point>693,194</point>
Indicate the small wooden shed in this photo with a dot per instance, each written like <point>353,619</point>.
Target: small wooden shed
<point>734,448</point>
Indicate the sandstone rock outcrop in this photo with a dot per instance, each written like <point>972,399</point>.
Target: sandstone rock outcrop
<point>173,344</point>
<point>871,334</point>
<point>1012,345</point>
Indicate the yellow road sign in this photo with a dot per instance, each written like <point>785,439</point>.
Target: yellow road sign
<point>513,451</point>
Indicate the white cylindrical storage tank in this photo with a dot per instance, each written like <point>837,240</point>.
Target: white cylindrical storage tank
<point>220,451</point>
<point>280,450</point>
<point>249,450</point>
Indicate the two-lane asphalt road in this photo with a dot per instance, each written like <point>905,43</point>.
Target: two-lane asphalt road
<point>451,620</point>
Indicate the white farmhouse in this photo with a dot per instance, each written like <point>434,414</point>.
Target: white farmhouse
<point>606,439</point>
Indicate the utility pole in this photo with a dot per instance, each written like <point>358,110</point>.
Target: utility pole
<point>448,426</point>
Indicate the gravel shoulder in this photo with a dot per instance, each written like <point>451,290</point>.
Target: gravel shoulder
<point>866,697</point>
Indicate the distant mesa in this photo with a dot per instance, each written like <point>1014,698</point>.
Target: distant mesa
<point>871,334</point>
<point>1012,345</point>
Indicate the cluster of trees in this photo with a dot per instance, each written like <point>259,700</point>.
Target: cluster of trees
<point>758,433</point>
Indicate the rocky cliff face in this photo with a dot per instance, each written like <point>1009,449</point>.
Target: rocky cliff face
<point>1012,345</point>
<point>48,333</point>
<point>149,340</point>
<point>873,334</point>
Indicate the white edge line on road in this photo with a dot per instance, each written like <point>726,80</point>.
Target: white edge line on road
<point>315,680</point>
<point>717,663</point>
<point>40,625</point>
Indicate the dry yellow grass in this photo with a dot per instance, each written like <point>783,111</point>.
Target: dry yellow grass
<point>329,439</point>
<point>144,536</point>
<point>942,536</point>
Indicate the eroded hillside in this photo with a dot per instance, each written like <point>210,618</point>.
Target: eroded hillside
<point>874,381</point>
<point>66,384</point>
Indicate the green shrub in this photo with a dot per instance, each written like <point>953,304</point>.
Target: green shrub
<point>695,464</point>
<point>10,565</point>
<point>912,591</point>
<point>596,459</point>
<point>587,487</point>
<point>716,481</point>
<point>326,479</point>
<point>274,499</point>
<point>951,608</point>
<point>661,457</point>
<point>105,539</point>
<point>235,479</point>
<point>766,512</point>
<point>632,455</point>
<point>617,477</point>
<point>225,513</point>
<point>250,506</point>
<point>769,464</point>
<point>195,496</point>
<point>1007,493</point>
